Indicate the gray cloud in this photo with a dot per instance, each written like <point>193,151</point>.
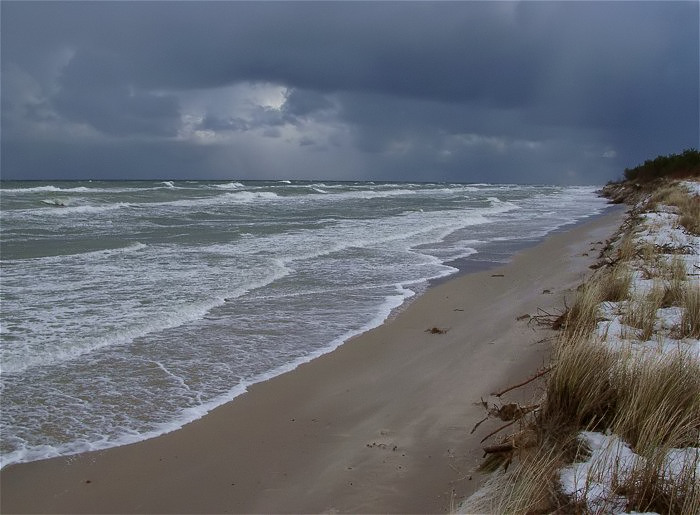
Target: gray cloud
<point>301,103</point>
<point>518,92</point>
<point>94,88</point>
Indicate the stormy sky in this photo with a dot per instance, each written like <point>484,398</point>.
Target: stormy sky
<point>526,92</point>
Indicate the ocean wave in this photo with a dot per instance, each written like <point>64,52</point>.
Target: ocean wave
<point>229,186</point>
<point>83,209</point>
<point>44,189</point>
<point>28,453</point>
<point>411,228</point>
<point>170,317</point>
<point>423,239</point>
<point>57,202</point>
<point>84,189</point>
<point>65,207</point>
<point>225,198</point>
<point>366,194</point>
<point>61,258</point>
<point>52,355</point>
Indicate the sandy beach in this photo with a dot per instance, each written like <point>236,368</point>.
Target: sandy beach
<point>382,424</point>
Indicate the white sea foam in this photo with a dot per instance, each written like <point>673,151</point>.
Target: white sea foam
<point>59,352</point>
<point>87,209</point>
<point>187,415</point>
<point>64,208</point>
<point>251,196</point>
<point>218,199</point>
<point>328,260</point>
<point>229,186</point>
<point>371,194</point>
<point>38,189</point>
<point>87,255</point>
<point>20,359</point>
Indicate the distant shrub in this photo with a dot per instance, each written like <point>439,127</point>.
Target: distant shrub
<point>686,164</point>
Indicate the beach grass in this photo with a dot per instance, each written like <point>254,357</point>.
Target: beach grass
<point>688,206</point>
<point>649,487</point>
<point>582,316</point>
<point>642,311</point>
<point>615,284</point>
<point>657,401</point>
<point>643,395</point>
<point>690,320</point>
<point>578,393</point>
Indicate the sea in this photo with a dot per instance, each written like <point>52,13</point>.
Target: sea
<point>132,308</point>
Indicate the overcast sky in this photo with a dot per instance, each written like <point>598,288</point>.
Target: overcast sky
<point>527,92</point>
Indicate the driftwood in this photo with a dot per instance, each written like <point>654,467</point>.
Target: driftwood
<point>604,261</point>
<point>537,375</point>
<point>506,412</point>
<point>554,320</point>
<point>524,439</point>
<point>542,317</point>
<point>501,447</point>
<point>479,423</point>
<point>561,320</point>
<point>497,430</point>
<point>502,454</point>
<point>516,411</point>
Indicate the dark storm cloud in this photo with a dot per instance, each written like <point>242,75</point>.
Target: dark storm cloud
<point>473,91</point>
<point>95,89</point>
<point>297,106</point>
<point>300,103</point>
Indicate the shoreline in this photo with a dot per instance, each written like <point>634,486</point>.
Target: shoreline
<point>475,262</point>
<point>497,254</point>
<point>378,424</point>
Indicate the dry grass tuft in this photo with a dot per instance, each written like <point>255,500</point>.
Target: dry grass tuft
<point>615,284</point>
<point>674,274</point>
<point>688,206</point>
<point>580,391</point>
<point>528,487</point>
<point>690,216</point>
<point>670,195</point>
<point>627,250</point>
<point>688,209</point>
<point>658,402</point>
<point>649,253</point>
<point>653,404</point>
<point>649,487</point>
<point>641,312</point>
<point>690,302</point>
<point>581,318</point>
<point>676,269</point>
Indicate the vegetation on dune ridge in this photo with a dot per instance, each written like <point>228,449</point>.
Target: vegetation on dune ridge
<point>652,176</point>
<point>626,368</point>
<point>674,166</point>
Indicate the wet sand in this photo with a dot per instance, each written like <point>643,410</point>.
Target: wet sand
<point>382,424</point>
